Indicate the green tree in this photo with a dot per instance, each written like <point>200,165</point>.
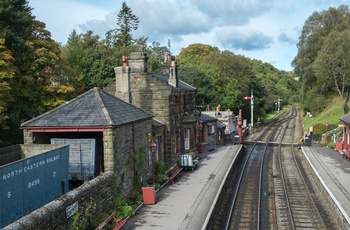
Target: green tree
<point>127,22</point>
<point>332,65</point>
<point>313,36</point>
<point>6,74</point>
<point>35,57</point>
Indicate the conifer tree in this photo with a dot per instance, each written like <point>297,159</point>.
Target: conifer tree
<point>127,22</point>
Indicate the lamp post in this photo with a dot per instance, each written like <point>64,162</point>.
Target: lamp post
<point>327,132</point>
<point>153,148</point>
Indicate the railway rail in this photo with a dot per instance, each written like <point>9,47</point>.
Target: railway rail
<point>271,189</point>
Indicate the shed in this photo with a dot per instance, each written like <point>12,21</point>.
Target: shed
<point>118,127</point>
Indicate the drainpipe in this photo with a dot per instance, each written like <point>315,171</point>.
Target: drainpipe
<point>164,143</point>
<point>181,117</point>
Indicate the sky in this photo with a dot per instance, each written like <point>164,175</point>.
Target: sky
<point>266,30</point>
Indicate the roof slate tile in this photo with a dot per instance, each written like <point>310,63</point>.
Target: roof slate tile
<point>92,108</point>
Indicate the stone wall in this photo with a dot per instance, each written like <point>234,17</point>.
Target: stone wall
<point>17,152</point>
<point>96,194</point>
<point>29,150</point>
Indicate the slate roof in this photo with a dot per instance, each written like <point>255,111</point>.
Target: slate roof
<point>206,117</point>
<point>91,109</point>
<point>157,123</point>
<point>345,118</point>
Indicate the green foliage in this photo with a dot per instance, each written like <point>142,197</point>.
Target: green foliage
<point>33,58</point>
<point>82,219</point>
<point>6,74</point>
<point>225,78</point>
<point>138,162</point>
<point>331,113</point>
<point>127,22</point>
<point>160,168</point>
<point>321,61</point>
<point>332,64</point>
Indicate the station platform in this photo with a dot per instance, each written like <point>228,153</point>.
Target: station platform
<point>187,204</point>
<point>333,171</point>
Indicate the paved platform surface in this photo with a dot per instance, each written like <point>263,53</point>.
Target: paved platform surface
<point>333,170</point>
<point>185,204</point>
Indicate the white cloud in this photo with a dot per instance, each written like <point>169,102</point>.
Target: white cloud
<point>267,30</point>
<point>62,16</point>
<point>243,38</point>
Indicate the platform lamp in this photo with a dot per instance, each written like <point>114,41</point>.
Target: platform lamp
<point>327,131</point>
<point>153,149</point>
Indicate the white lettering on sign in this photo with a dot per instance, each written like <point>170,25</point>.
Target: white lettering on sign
<point>29,167</point>
<point>33,183</point>
<point>72,209</point>
<point>8,194</point>
<point>52,159</point>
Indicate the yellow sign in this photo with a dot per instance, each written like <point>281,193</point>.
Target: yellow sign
<point>149,139</point>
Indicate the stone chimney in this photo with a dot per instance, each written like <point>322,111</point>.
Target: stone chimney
<point>122,81</point>
<point>173,80</point>
<point>138,62</point>
<point>166,64</point>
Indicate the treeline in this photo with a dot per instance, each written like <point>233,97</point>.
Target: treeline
<point>38,74</point>
<point>323,61</point>
<point>224,78</point>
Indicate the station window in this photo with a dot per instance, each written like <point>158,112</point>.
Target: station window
<point>187,138</point>
<point>211,129</point>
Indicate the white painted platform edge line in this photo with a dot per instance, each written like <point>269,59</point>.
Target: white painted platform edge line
<point>205,224</point>
<point>326,187</point>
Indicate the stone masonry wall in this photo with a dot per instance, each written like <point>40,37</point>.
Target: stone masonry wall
<point>152,95</point>
<point>128,139</point>
<point>98,193</point>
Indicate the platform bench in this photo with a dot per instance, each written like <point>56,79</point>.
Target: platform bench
<point>173,172</point>
<point>345,153</point>
<point>119,224</point>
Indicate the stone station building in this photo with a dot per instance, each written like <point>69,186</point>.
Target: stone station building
<point>169,99</point>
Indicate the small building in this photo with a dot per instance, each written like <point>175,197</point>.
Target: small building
<point>211,131</point>
<point>344,147</point>
<point>118,128</point>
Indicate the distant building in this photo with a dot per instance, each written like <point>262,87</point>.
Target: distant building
<point>344,147</point>
<point>211,131</point>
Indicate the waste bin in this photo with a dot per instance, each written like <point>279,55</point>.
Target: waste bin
<point>149,194</point>
<point>199,147</point>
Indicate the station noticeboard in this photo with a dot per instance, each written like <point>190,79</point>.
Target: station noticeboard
<point>30,183</point>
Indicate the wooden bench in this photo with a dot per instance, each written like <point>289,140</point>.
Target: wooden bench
<point>345,153</point>
<point>119,224</point>
<point>173,172</point>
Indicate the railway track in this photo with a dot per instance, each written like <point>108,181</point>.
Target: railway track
<point>272,189</point>
<point>248,209</point>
